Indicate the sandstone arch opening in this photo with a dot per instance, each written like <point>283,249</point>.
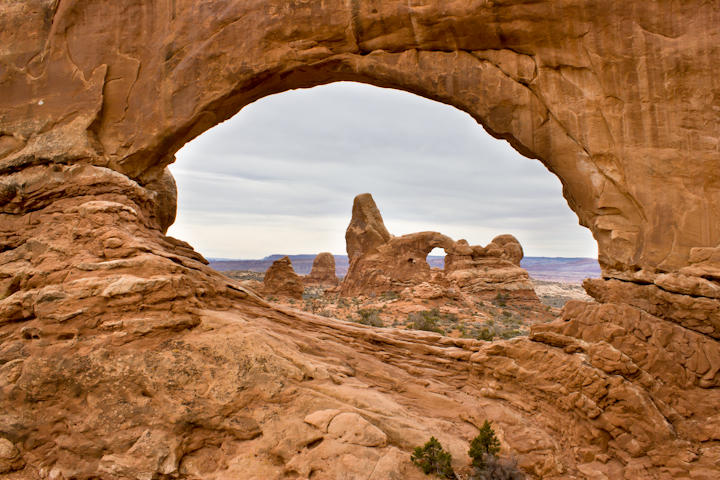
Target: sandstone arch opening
<point>300,156</point>
<point>280,176</point>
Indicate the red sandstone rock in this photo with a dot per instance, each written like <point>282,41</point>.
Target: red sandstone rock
<point>323,271</point>
<point>10,458</point>
<point>280,279</point>
<point>121,351</point>
<point>400,263</point>
<point>366,231</point>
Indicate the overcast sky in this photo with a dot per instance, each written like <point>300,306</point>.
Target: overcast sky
<point>280,177</point>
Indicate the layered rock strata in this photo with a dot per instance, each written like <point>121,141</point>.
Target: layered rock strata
<point>322,273</point>
<point>122,355</point>
<point>380,263</point>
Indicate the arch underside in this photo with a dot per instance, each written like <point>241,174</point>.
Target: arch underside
<point>617,101</point>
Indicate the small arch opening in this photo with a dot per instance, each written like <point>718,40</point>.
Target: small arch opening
<point>436,258</point>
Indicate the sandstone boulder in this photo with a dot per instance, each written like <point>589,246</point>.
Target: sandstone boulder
<point>512,250</point>
<point>323,271</point>
<point>280,279</point>
<point>347,427</point>
<point>350,427</point>
<point>10,458</point>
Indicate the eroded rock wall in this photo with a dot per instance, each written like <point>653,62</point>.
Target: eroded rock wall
<point>123,356</point>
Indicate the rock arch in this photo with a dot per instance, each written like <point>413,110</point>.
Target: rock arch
<point>619,101</point>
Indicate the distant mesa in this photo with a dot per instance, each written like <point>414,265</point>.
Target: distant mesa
<point>381,262</point>
<point>323,272</point>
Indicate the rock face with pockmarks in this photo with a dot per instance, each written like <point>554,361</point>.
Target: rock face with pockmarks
<point>123,356</point>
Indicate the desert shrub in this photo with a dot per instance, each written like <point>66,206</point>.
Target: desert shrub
<point>342,303</point>
<point>486,442</point>
<point>389,295</point>
<point>429,320</point>
<point>432,458</point>
<point>501,299</point>
<point>486,464</point>
<point>510,333</point>
<point>491,331</point>
<point>312,306</point>
<point>426,320</point>
<point>311,293</point>
<point>486,333</point>
<point>496,468</point>
<point>369,316</point>
<point>449,317</point>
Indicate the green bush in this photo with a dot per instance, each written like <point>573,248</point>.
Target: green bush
<point>496,468</point>
<point>486,464</point>
<point>486,443</point>
<point>501,299</point>
<point>511,333</point>
<point>429,320</point>
<point>487,334</point>
<point>369,316</point>
<point>491,331</point>
<point>432,458</point>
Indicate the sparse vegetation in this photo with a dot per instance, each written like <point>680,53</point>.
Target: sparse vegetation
<point>432,458</point>
<point>501,299</point>
<point>430,320</point>
<point>497,468</point>
<point>389,296</point>
<point>485,461</point>
<point>426,320</point>
<point>369,316</point>
<point>486,334</point>
<point>464,317</point>
<point>313,293</point>
<point>485,443</point>
<point>242,275</point>
<point>492,331</point>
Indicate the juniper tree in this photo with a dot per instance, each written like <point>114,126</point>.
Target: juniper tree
<point>486,443</point>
